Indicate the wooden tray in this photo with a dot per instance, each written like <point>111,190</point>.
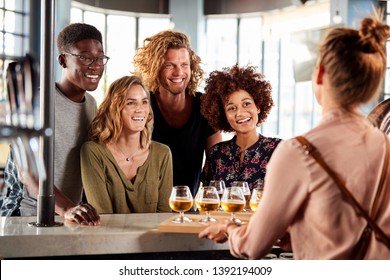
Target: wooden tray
<point>195,226</point>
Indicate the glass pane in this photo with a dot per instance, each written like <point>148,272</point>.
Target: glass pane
<point>10,21</point>
<point>287,90</point>
<point>26,26</point>
<point>387,82</point>
<point>250,50</point>
<point>303,117</point>
<point>13,22</point>
<point>151,26</point>
<point>271,71</point>
<point>2,20</point>
<point>97,20</point>
<point>9,4</point>
<point>3,93</point>
<point>1,43</point>
<point>13,45</point>
<point>14,5</point>
<point>221,48</point>
<point>76,15</point>
<point>25,48</point>
<point>120,49</point>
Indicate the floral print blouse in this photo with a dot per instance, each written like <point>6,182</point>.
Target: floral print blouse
<point>223,162</point>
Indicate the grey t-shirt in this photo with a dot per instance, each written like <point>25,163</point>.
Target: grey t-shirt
<point>72,122</point>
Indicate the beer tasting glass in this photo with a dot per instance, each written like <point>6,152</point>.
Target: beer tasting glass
<point>233,201</point>
<point>220,186</point>
<point>246,190</point>
<point>181,201</point>
<point>207,200</point>
<point>257,193</point>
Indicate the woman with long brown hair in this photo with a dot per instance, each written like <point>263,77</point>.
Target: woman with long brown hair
<point>123,171</point>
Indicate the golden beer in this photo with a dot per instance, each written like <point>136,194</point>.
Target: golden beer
<point>233,205</point>
<point>253,205</point>
<point>207,205</point>
<point>255,198</point>
<point>181,204</point>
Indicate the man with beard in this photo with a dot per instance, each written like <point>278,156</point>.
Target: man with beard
<point>171,71</point>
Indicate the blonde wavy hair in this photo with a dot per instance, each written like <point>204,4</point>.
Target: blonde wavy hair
<point>355,60</point>
<point>149,59</point>
<point>107,125</point>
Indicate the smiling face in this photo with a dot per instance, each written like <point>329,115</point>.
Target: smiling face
<point>176,71</point>
<point>78,75</point>
<point>241,111</point>
<point>136,110</point>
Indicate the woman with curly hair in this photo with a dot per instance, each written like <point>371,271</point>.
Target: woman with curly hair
<point>238,100</point>
<point>123,171</point>
<point>300,197</point>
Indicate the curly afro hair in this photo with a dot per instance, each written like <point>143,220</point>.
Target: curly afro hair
<point>219,86</point>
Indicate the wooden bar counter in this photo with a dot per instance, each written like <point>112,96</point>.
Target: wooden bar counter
<point>118,235</point>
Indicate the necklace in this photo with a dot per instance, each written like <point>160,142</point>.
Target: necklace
<point>130,157</point>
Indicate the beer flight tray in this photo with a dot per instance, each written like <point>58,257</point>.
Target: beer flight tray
<point>194,226</point>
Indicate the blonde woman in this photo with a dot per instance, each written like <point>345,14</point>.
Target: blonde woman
<point>123,171</point>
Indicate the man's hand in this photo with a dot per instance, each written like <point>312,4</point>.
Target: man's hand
<point>29,181</point>
<point>83,214</point>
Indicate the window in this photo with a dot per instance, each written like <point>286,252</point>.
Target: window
<point>120,48</point>
<point>150,26</point>
<point>13,39</point>
<point>13,44</point>
<point>221,48</point>
<point>265,41</point>
<point>250,41</point>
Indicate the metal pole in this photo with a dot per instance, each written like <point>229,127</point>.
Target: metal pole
<point>35,34</point>
<point>46,200</point>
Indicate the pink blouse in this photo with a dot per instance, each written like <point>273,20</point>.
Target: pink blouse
<point>300,197</point>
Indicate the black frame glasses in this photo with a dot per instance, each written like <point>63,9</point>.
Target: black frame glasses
<point>89,60</point>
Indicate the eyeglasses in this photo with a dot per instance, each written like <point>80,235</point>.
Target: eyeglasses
<point>88,60</point>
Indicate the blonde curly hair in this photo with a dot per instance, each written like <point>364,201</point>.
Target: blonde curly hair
<point>149,59</point>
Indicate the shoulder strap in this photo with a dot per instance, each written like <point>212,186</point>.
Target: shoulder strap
<point>310,150</point>
<point>375,206</point>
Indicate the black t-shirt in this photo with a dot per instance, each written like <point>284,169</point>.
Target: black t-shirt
<point>187,144</point>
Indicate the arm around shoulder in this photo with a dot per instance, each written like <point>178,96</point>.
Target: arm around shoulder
<point>213,139</point>
<point>166,182</point>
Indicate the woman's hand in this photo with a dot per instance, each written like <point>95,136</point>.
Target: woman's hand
<point>216,231</point>
<point>83,214</point>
